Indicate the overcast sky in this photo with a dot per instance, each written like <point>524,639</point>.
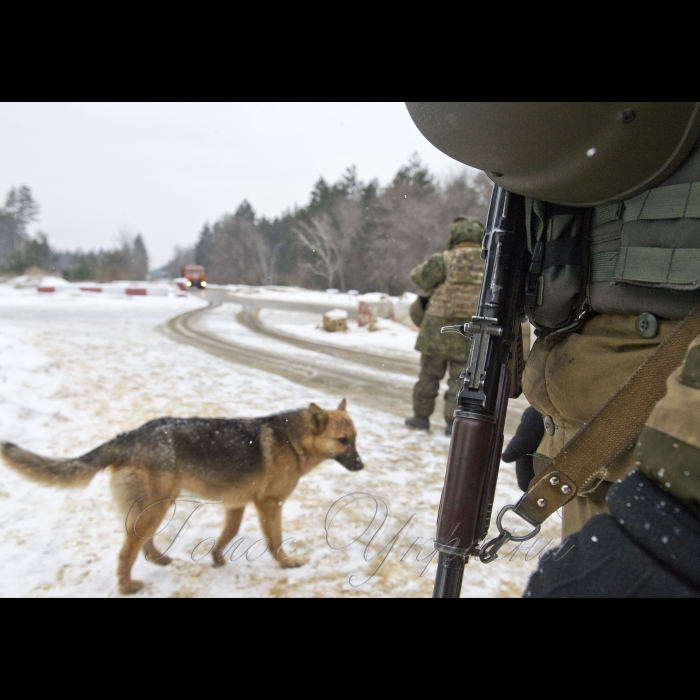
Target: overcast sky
<point>165,169</point>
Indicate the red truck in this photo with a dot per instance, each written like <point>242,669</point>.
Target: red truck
<point>195,276</point>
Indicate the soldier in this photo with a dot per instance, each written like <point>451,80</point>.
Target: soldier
<point>454,279</point>
<point>613,225</point>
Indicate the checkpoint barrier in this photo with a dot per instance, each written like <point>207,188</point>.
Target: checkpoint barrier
<point>116,288</point>
<point>373,306</point>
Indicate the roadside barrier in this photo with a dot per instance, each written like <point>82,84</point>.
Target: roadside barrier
<point>140,289</point>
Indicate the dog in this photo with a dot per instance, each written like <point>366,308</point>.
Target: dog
<point>235,460</point>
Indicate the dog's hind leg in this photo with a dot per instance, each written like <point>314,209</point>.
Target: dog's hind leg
<point>153,554</point>
<point>144,500</point>
<point>270,516</point>
<point>141,527</point>
<point>231,525</point>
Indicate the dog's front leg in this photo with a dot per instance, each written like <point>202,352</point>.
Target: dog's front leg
<point>233,522</point>
<point>270,515</point>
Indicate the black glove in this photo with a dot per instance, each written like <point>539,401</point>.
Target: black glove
<point>648,547</point>
<point>525,442</point>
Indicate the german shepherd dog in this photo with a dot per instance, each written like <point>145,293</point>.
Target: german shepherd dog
<point>238,461</point>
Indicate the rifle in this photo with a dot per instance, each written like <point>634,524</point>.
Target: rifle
<point>492,375</point>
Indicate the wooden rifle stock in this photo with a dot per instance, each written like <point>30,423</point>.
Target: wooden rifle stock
<point>492,376</point>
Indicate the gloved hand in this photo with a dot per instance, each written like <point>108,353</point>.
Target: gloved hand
<point>524,443</point>
<point>648,547</point>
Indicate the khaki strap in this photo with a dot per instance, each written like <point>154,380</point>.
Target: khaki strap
<point>612,430</point>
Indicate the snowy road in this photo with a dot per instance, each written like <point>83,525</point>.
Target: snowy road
<point>378,378</point>
<point>224,332</point>
<point>76,370</point>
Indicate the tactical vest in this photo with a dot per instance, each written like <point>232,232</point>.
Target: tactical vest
<point>640,255</point>
<point>458,295</point>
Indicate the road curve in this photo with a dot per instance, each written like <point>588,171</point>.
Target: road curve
<point>377,389</point>
<point>250,317</point>
<point>368,388</point>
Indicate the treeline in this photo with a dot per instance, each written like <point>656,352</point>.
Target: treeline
<point>351,235</point>
<point>20,252</point>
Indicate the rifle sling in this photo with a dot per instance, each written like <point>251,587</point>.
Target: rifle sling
<point>611,431</point>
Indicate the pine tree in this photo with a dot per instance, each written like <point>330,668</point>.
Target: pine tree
<point>245,211</point>
<point>21,205</point>
<point>204,249</point>
<point>139,259</point>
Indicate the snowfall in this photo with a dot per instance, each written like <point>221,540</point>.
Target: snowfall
<point>76,368</point>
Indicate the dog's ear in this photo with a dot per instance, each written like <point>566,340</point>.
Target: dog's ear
<point>343,403</point>
<point>319,418</point>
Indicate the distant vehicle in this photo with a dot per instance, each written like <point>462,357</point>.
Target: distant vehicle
<point>195,276</point>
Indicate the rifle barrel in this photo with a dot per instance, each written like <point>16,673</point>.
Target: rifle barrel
<point>477,431</point>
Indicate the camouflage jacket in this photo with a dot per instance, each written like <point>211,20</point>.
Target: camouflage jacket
<point>454,277</point>
<point>668,449</point>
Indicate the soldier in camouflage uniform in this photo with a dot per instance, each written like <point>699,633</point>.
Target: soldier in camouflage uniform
<point>454,278</point>
<point>634,531</point>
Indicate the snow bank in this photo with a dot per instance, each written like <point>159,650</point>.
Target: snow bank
<point>30,281</point>
<point>348,300</point>
<point>53,285</point>
<point>402,308</point>
<point>383,337</point>
<point>336,314</point>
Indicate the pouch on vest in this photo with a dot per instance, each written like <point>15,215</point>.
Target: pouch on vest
<point>417,309</point>
<point>645,251</point>
<point>556,289</point>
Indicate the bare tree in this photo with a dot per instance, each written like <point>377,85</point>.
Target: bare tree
<point>134,254</point>
<point>181,257</point>
<point>267,258</point>
<point>351,233</point>
<point>321,239</point>
<point>232,252</point>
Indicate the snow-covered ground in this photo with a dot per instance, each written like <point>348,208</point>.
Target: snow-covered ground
<point>387,337</point>
<point>32,282</point>
<point>76,370</point>
<point>57,285</point>
<point>296,294</point>
<point>221,321</point>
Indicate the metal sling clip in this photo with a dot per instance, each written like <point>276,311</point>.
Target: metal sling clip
<point>489,552</point>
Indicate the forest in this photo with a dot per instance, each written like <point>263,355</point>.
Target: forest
<point>20,251</point>
<point>350,235</point>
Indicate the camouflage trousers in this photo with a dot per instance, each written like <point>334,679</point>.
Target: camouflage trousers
<point>425,391</point>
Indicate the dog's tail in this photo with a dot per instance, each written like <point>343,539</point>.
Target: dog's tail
<point>76,471</point>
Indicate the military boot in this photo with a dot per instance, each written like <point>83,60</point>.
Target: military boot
<point>418,422</point>
<point>448,427</point>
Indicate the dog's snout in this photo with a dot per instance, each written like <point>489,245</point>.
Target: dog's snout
<point>351,461</point>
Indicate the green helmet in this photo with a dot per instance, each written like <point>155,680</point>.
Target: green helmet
<point>575,153</point>
<point>465,228</point>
